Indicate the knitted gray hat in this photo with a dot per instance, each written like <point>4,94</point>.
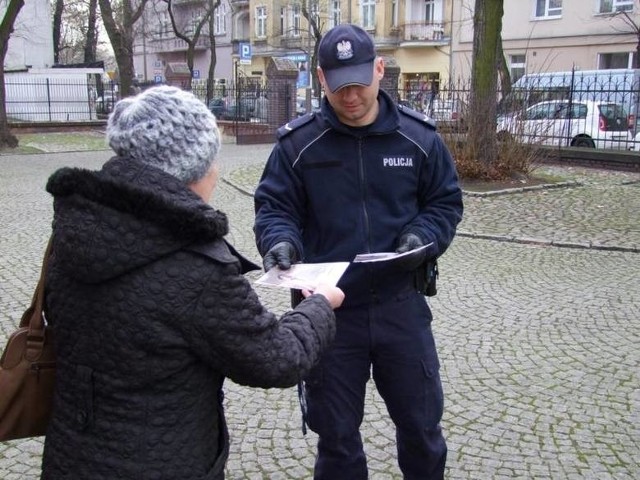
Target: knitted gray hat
<point>167,128</point>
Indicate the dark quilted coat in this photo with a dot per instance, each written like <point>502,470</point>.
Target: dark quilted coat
<point>151,312</point>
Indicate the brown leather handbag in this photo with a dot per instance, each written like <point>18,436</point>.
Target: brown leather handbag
<point>27,371</point>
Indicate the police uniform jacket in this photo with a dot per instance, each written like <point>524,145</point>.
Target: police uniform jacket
<point>335,191</point>
<point>150,312</point>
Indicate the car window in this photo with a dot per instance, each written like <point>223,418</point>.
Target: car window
<point>612,111</point>
<point>572,111</point>
<point>543,111</point>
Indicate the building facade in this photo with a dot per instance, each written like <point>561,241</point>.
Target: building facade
<point>431,41</point>
<point>415,33</point>
<point>554,35</point>
<point>160,56</point>
<point>31,43</point>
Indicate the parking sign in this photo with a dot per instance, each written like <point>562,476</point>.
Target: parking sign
<point>245,53</point>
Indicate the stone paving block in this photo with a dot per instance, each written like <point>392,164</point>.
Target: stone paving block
<point>538,344</point>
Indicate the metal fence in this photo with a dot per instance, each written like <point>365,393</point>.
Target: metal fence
<point>58,100</point>
<point>597,111</point>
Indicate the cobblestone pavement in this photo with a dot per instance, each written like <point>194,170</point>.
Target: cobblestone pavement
<point>537,321</point>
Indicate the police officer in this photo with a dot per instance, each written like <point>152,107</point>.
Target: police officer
<point>365,175</point>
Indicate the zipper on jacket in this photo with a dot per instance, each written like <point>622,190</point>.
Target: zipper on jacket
<point>367,226</point>
<point>363,190</point>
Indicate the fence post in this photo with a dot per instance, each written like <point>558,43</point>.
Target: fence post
<point>49,99</point>
<point>390,81</point>
<point>282,74</point>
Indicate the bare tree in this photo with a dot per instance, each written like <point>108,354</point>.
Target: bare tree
<point>13,7</point>
<point>316,30</point>
<point>630,26</point>
<point>213,59</point>
<point>487,25</point>
<point>180,31</point>
<point>91,42</point>
<point>119,18</point>
<point>57,28</point>
<point>503,70</point>
<point>75,31</point>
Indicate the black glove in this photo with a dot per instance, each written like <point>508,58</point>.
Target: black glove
<point>281,254</point>
<point>407,242</point>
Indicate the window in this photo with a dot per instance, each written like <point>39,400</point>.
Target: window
<point>295,11</point>
<point>368,14</point>
<point>165,29</point>
<point>334,14</point>
<point>315,14</point>
<point>290,18</point>
<point>196,18</point>
<point>261,22</point>
<point>607,61</point>
<point>394,13</point>
<point>543,111</point>
<point>429,10</point>
<point>613,6</point>
<point>517,66</point>
<point>548,8</point>
<point>220,20</point>
<point>283,20</point>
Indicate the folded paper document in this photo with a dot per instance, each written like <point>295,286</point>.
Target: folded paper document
<point>389,256</point>
<point>304,275</point>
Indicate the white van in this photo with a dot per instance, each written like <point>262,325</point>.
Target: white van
<point>619,86</point>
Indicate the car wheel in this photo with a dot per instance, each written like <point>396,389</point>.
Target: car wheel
<point>583,142</point>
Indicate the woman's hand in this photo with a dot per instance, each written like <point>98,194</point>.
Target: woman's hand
<point>334,295</point>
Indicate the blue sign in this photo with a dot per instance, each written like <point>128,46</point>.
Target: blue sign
<point>245,52</point>
<point>196,74</point>
<point>158,78</point>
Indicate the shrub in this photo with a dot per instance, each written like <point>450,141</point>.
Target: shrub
<point>515,159</point>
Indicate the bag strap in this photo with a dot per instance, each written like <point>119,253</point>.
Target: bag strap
<point>33,316</point>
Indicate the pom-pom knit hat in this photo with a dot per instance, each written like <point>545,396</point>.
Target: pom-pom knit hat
<point>167,128</point>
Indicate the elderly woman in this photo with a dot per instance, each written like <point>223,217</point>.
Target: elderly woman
<point>150,307</point>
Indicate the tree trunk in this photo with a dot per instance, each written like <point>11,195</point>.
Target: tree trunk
<point>487,24</point>
<point>121,36</point>
<point>211,76</point>
<point>191,41</point>
<point>57,22</point>
<point>7,139</point>
<point>91,42</point>
<point>503,70</point>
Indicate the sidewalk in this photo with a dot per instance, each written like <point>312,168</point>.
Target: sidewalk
<point>538,343</point>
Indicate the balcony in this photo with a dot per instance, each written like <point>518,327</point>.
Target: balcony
<point>174,44</point>
<point>429,33</point>
<point>293,42</point>
<point>187,2</point>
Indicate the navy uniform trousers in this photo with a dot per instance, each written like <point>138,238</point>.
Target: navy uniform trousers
<point>393,341</point>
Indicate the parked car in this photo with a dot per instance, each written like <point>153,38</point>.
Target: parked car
<point>564,123</point>
<point>105,102</point>
<point>448,113</point>
<point>301,105</point>
<point>606,85</point>
<point>227,109</point>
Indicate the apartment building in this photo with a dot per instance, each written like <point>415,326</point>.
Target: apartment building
<point>431,41</point>
<point>415,33</point>
<point>161,56</point>
<point>554,35</point>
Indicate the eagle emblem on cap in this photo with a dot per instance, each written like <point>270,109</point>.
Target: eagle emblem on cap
<point>344,50</point>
